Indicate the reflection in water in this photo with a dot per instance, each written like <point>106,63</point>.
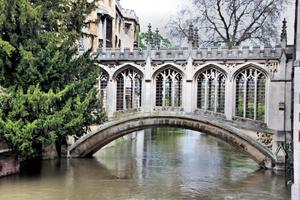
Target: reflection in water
<point>160,164</point>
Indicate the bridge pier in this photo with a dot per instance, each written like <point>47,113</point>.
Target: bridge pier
<point>278,149</point>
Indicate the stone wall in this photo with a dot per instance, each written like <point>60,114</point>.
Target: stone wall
<point>8,164</point>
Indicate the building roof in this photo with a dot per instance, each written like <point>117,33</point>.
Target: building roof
<point>127,13</point>
<point>130,14</point>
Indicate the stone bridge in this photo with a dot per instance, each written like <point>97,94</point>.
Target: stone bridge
<point>240,95</point>
<point>251,142</point>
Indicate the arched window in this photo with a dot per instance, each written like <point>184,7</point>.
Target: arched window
<point>168,88</point>
<point>211,90</point>
<point>250,94</point>
<point>102,86</point>
<point>129,89</point>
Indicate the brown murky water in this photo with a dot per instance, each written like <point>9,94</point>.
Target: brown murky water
<point>165,164</point>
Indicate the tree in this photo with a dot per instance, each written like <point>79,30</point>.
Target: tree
<point>230,22</point>
<point>163,42</point>
<point>48,90</point>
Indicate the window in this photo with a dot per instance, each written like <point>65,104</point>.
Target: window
<point>168,88</point>
<point>102,86</point>
<point>129,89</point>
<point>211,90</point>
<point>100,43</point>
<point>250,94</point>
<point>116,41</point>
<point>127,28</point>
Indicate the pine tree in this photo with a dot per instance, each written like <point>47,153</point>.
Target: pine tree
<point>47,91</point>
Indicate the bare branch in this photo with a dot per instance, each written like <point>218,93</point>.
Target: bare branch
<point>232,22</point>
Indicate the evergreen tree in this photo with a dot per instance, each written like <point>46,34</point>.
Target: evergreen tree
<point>47,90</point>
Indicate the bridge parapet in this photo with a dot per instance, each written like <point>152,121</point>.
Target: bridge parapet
<point>214,53</point>
<point>201,115</point>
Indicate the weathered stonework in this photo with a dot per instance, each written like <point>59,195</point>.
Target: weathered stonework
<point>99,137</point>
<point>9,164</point>
<point>296,106</point>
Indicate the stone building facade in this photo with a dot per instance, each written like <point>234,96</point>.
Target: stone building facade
<point>110,26</point>
<point>296,115</point>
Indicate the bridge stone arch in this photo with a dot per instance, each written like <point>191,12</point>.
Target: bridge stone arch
<point>87,145</point>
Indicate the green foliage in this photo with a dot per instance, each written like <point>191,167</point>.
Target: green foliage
<point>164,42</point>
<point>47,90</point>
<point>260,112</point>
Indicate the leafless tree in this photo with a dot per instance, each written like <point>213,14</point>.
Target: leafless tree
<point>230,22</point>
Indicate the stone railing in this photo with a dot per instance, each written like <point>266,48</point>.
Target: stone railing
<point>169,109</point>
<point>119,113</point>
<point>177,54</point>
<point>209,113</point>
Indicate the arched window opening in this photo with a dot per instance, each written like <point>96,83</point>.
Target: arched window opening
<point>211,90</point>
<point>169,88</point>
<point>129,89</point>
<point>250,94</point>
<point>102,86</point>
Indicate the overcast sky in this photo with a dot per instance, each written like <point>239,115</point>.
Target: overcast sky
<point>158,13</point>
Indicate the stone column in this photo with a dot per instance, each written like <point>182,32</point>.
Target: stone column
<point>100,31</point>
<point>104,34</point>
<point>187,87</point>
<point>229,99</point>
<point>147,86</point>
<point>111,98</point>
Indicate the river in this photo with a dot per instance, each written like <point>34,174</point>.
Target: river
<point>164,163</point>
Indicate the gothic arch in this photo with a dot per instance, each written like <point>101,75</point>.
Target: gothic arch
<point>211,65</point>
<point>244,66</point>
<point>168,87</point>
<point>103,81</point>
<point>128,88</point>
<point>125,66</point>
<point>211,89</point>
<point>105,68</point>
<point>250,89</point>
<point>164,66</point>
